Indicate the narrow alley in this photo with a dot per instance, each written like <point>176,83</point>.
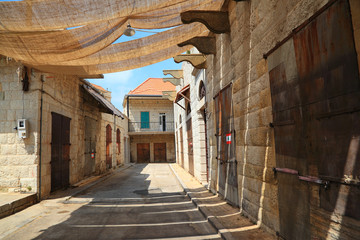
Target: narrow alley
<point>141,202</point>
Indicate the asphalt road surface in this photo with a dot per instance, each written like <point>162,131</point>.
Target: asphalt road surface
<point>144,201</point>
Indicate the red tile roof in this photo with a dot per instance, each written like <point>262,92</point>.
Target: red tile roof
<point>98,87</point>
<point>153,86</point>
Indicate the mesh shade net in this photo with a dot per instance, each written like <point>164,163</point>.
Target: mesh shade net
<point>37,33</point>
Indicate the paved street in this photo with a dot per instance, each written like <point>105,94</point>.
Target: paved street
<point>141,202</point>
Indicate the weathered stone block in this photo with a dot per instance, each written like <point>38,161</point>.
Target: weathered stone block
<point>259,136</point>
<point>254,171</point>
<point>7,149</point>
<point>250,208</point>
<point>253,185</point>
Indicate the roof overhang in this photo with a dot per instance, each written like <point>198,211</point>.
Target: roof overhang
<point>104,102</point>
<point>181,94</point>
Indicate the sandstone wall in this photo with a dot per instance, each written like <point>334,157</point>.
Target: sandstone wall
<point>64,95</point>
<point>153,106</point>
<point>256,27</point>
<point>18,157</point>
<point>116,123</point>
<point>192,77</point>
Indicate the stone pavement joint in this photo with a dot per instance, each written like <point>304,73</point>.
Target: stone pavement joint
<point>227,219</point>
<point>11,203</point>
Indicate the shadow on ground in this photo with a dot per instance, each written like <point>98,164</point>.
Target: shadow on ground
<point>125,207</point>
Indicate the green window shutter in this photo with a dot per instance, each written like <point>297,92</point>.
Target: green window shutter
<point>145,120</point>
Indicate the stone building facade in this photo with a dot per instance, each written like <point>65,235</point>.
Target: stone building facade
<point>66,120</point>
<point>282,91</point>
<point>151,122</point>
<point>190,122</point>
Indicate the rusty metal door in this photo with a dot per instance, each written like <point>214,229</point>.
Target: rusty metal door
<point>159,152</point>
<point>90,146</point>
<point>190,146</point>
<point>143,152</point>
<point>60,151</point>
<point>108,146</point>
<point>181,148</point>
<point>227,164</point>
<point>315,91</point>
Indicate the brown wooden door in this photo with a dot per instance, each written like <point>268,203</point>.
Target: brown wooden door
<point>190,146</point>
<point>143,152</point>
<point>108,146</point>
<point>228,178</point>
<point>159,152</point>
<point>181,147</point>
<point>90,146</point>
<point>60,151</point>
<point>315,91</point>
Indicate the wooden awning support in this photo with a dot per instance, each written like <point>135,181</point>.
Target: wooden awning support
<point>206,45</point>
<point>197,60</point>
<point>174,73</point>
<point>216,21</point>
<point>175,81</point>
<point>180,95</point>
<point>180,105</point>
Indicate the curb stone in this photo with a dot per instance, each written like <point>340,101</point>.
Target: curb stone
<point>222,231</point>
<point>101,179</point>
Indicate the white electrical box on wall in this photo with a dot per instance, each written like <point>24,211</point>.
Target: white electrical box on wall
<point>22,128</point>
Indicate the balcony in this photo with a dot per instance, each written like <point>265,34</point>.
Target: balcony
<point>151,127</point>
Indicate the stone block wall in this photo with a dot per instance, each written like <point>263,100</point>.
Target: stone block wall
<point>256,27</point>
<point>64,95</point>
<point>193,77</point>
<point>151,105</point>
<point>18,157</point>
<point>116,123</point>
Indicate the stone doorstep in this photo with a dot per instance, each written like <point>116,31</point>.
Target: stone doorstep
<point>17,205</point>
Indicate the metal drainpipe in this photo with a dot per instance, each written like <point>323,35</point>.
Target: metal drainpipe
<point>40,148</point>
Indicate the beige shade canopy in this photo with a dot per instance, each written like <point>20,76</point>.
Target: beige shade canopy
<point>77,36</point>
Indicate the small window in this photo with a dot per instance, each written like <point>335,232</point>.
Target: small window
<point>202,90</point>
<point>145,120</point>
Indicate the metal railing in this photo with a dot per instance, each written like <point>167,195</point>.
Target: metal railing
<point>151,127</point>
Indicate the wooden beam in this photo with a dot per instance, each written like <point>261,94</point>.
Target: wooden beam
<point>205,45</point>
<point>197,60</point>
<point>215,21</point>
